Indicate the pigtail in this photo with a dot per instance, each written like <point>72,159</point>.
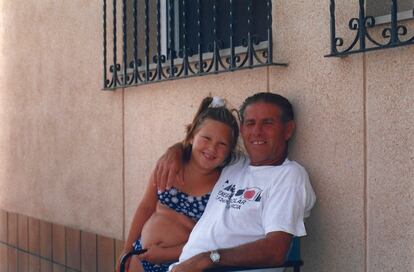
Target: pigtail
<point>203,106</point>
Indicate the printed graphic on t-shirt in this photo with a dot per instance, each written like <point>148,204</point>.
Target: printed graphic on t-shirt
<point>236,198</point>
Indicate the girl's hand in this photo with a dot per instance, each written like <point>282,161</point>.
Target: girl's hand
<point>154,254</point>
<point>169,169</point>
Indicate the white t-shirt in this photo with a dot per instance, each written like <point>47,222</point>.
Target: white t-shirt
<point>248,202</point>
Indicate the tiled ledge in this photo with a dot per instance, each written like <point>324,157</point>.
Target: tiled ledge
<point>29,244</point>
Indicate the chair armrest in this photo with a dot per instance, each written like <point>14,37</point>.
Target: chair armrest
<point>128,255</point>
<point>295,264</point>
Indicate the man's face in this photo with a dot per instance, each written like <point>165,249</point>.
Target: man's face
<point>264,134</point>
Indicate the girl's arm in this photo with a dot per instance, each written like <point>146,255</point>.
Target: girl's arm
<point>169,168</point>
<point>144,211</point>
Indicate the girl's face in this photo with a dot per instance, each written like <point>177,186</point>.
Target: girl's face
<point>211,144</point>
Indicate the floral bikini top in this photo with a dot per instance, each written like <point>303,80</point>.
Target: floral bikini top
<point>191,206</point>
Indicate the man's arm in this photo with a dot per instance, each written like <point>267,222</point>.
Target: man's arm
<point>266,252</point>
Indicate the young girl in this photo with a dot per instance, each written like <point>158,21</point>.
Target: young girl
<point>163,220</point>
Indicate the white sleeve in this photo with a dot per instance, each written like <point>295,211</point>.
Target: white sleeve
<point>286,204</point>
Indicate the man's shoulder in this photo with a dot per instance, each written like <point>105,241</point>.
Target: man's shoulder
<point>294,166</point>
<point>292,173</point>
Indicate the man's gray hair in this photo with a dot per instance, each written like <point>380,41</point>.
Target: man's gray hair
<point>281,102</point>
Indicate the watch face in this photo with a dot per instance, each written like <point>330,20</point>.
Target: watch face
<point>215,256</point>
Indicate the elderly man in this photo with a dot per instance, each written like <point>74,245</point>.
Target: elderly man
<point>260,201</point>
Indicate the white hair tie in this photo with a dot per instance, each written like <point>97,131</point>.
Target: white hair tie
<point>217,102</point>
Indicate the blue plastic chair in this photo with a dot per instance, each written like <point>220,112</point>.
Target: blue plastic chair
<point>293,260</point>
<point>128,255</point>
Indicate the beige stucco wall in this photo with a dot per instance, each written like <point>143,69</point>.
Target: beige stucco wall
<point>60,137</point>
<point>390,159</point>
<point>328,97</point>
<point>78,156</point>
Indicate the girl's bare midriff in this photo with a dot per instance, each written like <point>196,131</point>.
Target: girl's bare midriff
<point>166,227</point>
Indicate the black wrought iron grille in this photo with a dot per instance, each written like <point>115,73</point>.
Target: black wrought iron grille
<point>368,35</point>
<point>146,41</point>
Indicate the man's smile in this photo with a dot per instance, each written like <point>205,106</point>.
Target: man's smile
<point>257,142</point>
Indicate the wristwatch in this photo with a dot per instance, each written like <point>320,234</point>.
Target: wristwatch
<point>215,256</point>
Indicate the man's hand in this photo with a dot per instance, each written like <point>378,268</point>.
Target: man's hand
<point>169,169</point>
<point>195,264</point>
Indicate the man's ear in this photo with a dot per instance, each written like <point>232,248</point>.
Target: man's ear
<point>290,129</point>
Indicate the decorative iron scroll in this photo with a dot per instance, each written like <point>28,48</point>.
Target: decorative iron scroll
<point>150,55</point>
<point>392,35</point>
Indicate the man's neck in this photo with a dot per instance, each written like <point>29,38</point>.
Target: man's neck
<point>275,162</point>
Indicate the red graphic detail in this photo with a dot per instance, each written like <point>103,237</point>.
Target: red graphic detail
<point>249,194</point>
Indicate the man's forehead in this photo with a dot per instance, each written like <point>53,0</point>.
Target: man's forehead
<point>262,110</point>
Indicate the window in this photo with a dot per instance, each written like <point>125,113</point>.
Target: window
<point>381,10</point>
<point>240,23</point>
<point>152,40</point>
<point>377,26</point>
